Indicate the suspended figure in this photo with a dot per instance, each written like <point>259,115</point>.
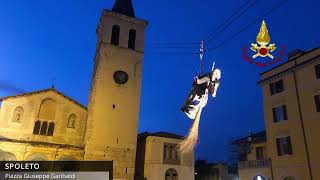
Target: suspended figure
<point>197,99</point>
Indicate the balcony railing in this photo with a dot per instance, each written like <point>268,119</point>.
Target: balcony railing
<point>264,163</point>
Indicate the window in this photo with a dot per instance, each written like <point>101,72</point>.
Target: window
<point>279,113</point>
<point>259,153</point>
<point>36,128</point>
<point>72,121</point>
<point>42,128</point>
<point>132,39</point>
<point>276,87</point>
<point>115,35</point>
<point>170,154</point>
<point>284,146</point>
<point>171,174</point>
<point>50,129</point>
<point>317,101</point>
<point>317,69</point>
<point>17,115</point>
<point>165,147</point>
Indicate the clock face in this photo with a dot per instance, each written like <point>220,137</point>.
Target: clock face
<point>120,77</point>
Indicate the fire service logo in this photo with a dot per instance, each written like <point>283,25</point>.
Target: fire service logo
<point>263,50</point>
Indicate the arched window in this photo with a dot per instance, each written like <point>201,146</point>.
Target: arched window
<point>36,128</point>
<point>47,110</point>
<point>44,127</point>
<point>17,114</point>
<point>72,121</point>
<point>289,178</point>
<point>132,39</point>
<point>115,35</point>
<point>171,174</point>
<point>50,129</point>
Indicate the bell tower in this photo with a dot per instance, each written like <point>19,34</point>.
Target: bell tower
<point>114,102</point>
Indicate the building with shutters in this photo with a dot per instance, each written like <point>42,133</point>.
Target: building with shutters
<point>291,103</point>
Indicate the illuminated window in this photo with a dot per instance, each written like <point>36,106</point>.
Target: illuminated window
<point>115,35</point>
<point>276,87</point>
<point>279,113</point>
<point>284,146</point>
<point>132,39</point>
<point>17,115</point>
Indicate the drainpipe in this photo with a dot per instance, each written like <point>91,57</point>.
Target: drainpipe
<point>301,120</point>
<point>271,169</point>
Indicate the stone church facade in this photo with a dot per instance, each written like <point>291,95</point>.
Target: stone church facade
<point>47,125</point>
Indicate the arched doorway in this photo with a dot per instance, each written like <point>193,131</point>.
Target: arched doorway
<point>171,174</point>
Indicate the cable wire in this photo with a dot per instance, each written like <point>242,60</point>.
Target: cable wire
<point>281,3</point>
<point>231,20</point>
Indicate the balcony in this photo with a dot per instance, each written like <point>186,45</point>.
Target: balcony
<point>264,163</point>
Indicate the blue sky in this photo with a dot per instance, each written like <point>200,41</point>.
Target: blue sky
<point>45,42</point>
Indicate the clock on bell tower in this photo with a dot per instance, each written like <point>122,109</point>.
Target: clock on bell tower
<point>114,102</point>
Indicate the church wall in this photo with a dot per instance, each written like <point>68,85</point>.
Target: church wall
<point>23,130</point>
<point>39,152</point>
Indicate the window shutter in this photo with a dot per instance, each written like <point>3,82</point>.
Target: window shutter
<point>275,117</point>
<point>289,146</point>
<point>285,115</point>
<point>279,147</point>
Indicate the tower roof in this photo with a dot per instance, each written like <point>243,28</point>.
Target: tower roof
<point>123,7</point>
